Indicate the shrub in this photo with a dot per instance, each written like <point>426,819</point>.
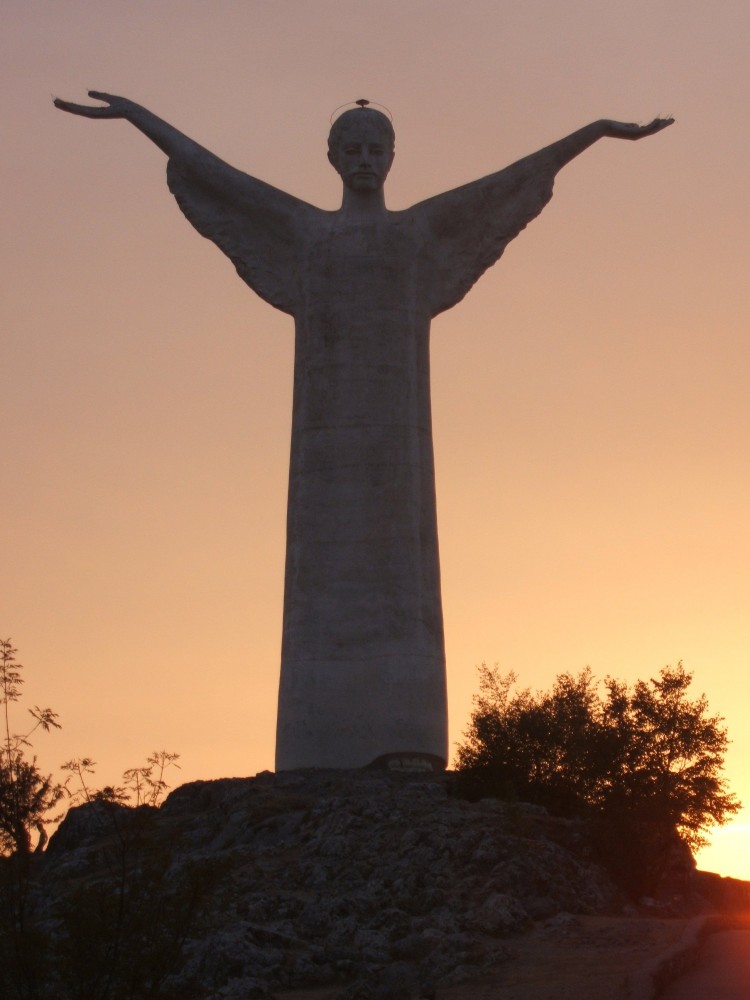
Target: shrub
<point>643,763</point>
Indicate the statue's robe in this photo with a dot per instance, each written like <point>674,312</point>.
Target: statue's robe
<point>363,659</point>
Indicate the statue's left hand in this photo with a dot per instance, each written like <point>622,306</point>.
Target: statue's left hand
<point>624,130</point>
<point>118,107</point>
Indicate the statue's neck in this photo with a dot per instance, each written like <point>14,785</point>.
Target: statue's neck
<point>364,204</point>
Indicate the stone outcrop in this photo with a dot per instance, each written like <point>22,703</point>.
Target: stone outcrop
<point>365,883</point>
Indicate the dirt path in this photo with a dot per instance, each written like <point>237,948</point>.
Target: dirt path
<point>575,958</point>
<point>569,958</point>
<point>721,973</point>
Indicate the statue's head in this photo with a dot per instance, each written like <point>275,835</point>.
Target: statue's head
<point>361,148</point>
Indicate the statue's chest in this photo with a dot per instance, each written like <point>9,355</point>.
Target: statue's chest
<point>349,267</point>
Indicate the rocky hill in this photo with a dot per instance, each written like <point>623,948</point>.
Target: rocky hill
<point>366,883</point>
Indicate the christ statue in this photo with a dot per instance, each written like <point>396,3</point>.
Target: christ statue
<point>363,656</point>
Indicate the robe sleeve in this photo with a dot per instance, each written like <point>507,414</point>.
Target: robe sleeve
<point>256,225</point>
<point>470,226</point>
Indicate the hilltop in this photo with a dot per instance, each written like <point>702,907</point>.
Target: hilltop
<point>345,884</point>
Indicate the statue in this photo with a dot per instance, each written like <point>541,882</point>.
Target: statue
<point>363,660</point>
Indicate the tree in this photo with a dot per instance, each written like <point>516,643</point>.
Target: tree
<point>643,763</point>
<point>26,795</point>
<point>669,751</point>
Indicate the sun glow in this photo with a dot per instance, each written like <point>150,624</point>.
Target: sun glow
<point>728,853</point>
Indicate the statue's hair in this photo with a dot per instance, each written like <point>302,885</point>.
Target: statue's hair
<point>376,118</point>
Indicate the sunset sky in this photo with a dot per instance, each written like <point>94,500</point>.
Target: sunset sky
<point>590,395</point>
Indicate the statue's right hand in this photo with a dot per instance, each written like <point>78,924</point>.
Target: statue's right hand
<point>118,107</point>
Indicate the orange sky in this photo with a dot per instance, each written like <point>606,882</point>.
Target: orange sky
<point>589,396</point>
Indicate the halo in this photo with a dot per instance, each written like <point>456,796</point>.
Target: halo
<point>361,103</point>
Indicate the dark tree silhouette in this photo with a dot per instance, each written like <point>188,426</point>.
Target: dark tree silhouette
<point>643,763</point>
<point>26,795</point>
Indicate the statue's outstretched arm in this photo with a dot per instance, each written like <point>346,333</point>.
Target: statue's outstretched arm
<point>252,222</point>
<point>470,226</point>
<point>190,158</point>
<point>564,150</point>
<point>169,139</point>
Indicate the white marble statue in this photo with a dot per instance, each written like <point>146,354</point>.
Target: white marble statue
<point>363,661</point>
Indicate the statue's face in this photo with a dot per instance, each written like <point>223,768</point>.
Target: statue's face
<point>362,157</point>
